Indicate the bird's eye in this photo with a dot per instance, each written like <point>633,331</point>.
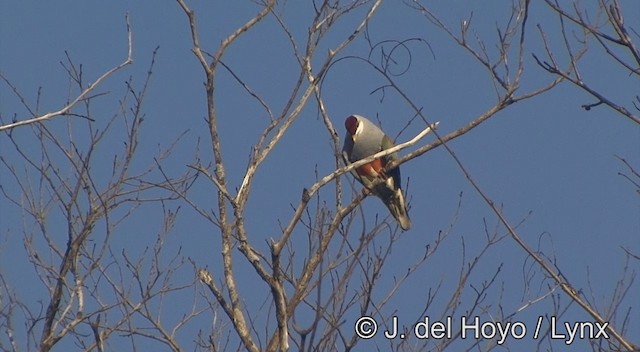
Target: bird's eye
<point>351,124</point>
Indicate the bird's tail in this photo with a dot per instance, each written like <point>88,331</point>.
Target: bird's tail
<point>398,208</point>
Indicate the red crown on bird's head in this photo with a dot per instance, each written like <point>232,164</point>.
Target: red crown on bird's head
<point>351,124</point>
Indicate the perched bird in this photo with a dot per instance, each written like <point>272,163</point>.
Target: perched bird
<point>364,139</point>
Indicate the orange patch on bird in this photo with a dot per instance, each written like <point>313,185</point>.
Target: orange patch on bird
<point>371,169</point>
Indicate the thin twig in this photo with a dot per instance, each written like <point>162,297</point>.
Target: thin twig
<point>67,108</point>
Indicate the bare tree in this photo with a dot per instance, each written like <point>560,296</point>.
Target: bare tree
<point>572,74</point>
<point>76,196</point>
<point>322,281</point>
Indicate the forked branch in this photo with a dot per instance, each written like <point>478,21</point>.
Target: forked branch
<point>83,95</point>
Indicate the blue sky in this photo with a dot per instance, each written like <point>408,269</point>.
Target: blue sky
<point>545,156</point>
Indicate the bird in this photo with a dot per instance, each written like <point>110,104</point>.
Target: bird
<point>363,139</point>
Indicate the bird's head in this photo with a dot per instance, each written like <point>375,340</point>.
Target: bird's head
<point>353,126</point>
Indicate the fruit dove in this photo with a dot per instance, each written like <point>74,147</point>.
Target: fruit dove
<point>364,139</point>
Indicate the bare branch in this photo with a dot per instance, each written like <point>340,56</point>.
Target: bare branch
<point>607,42</point>
<point>83,95</point>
